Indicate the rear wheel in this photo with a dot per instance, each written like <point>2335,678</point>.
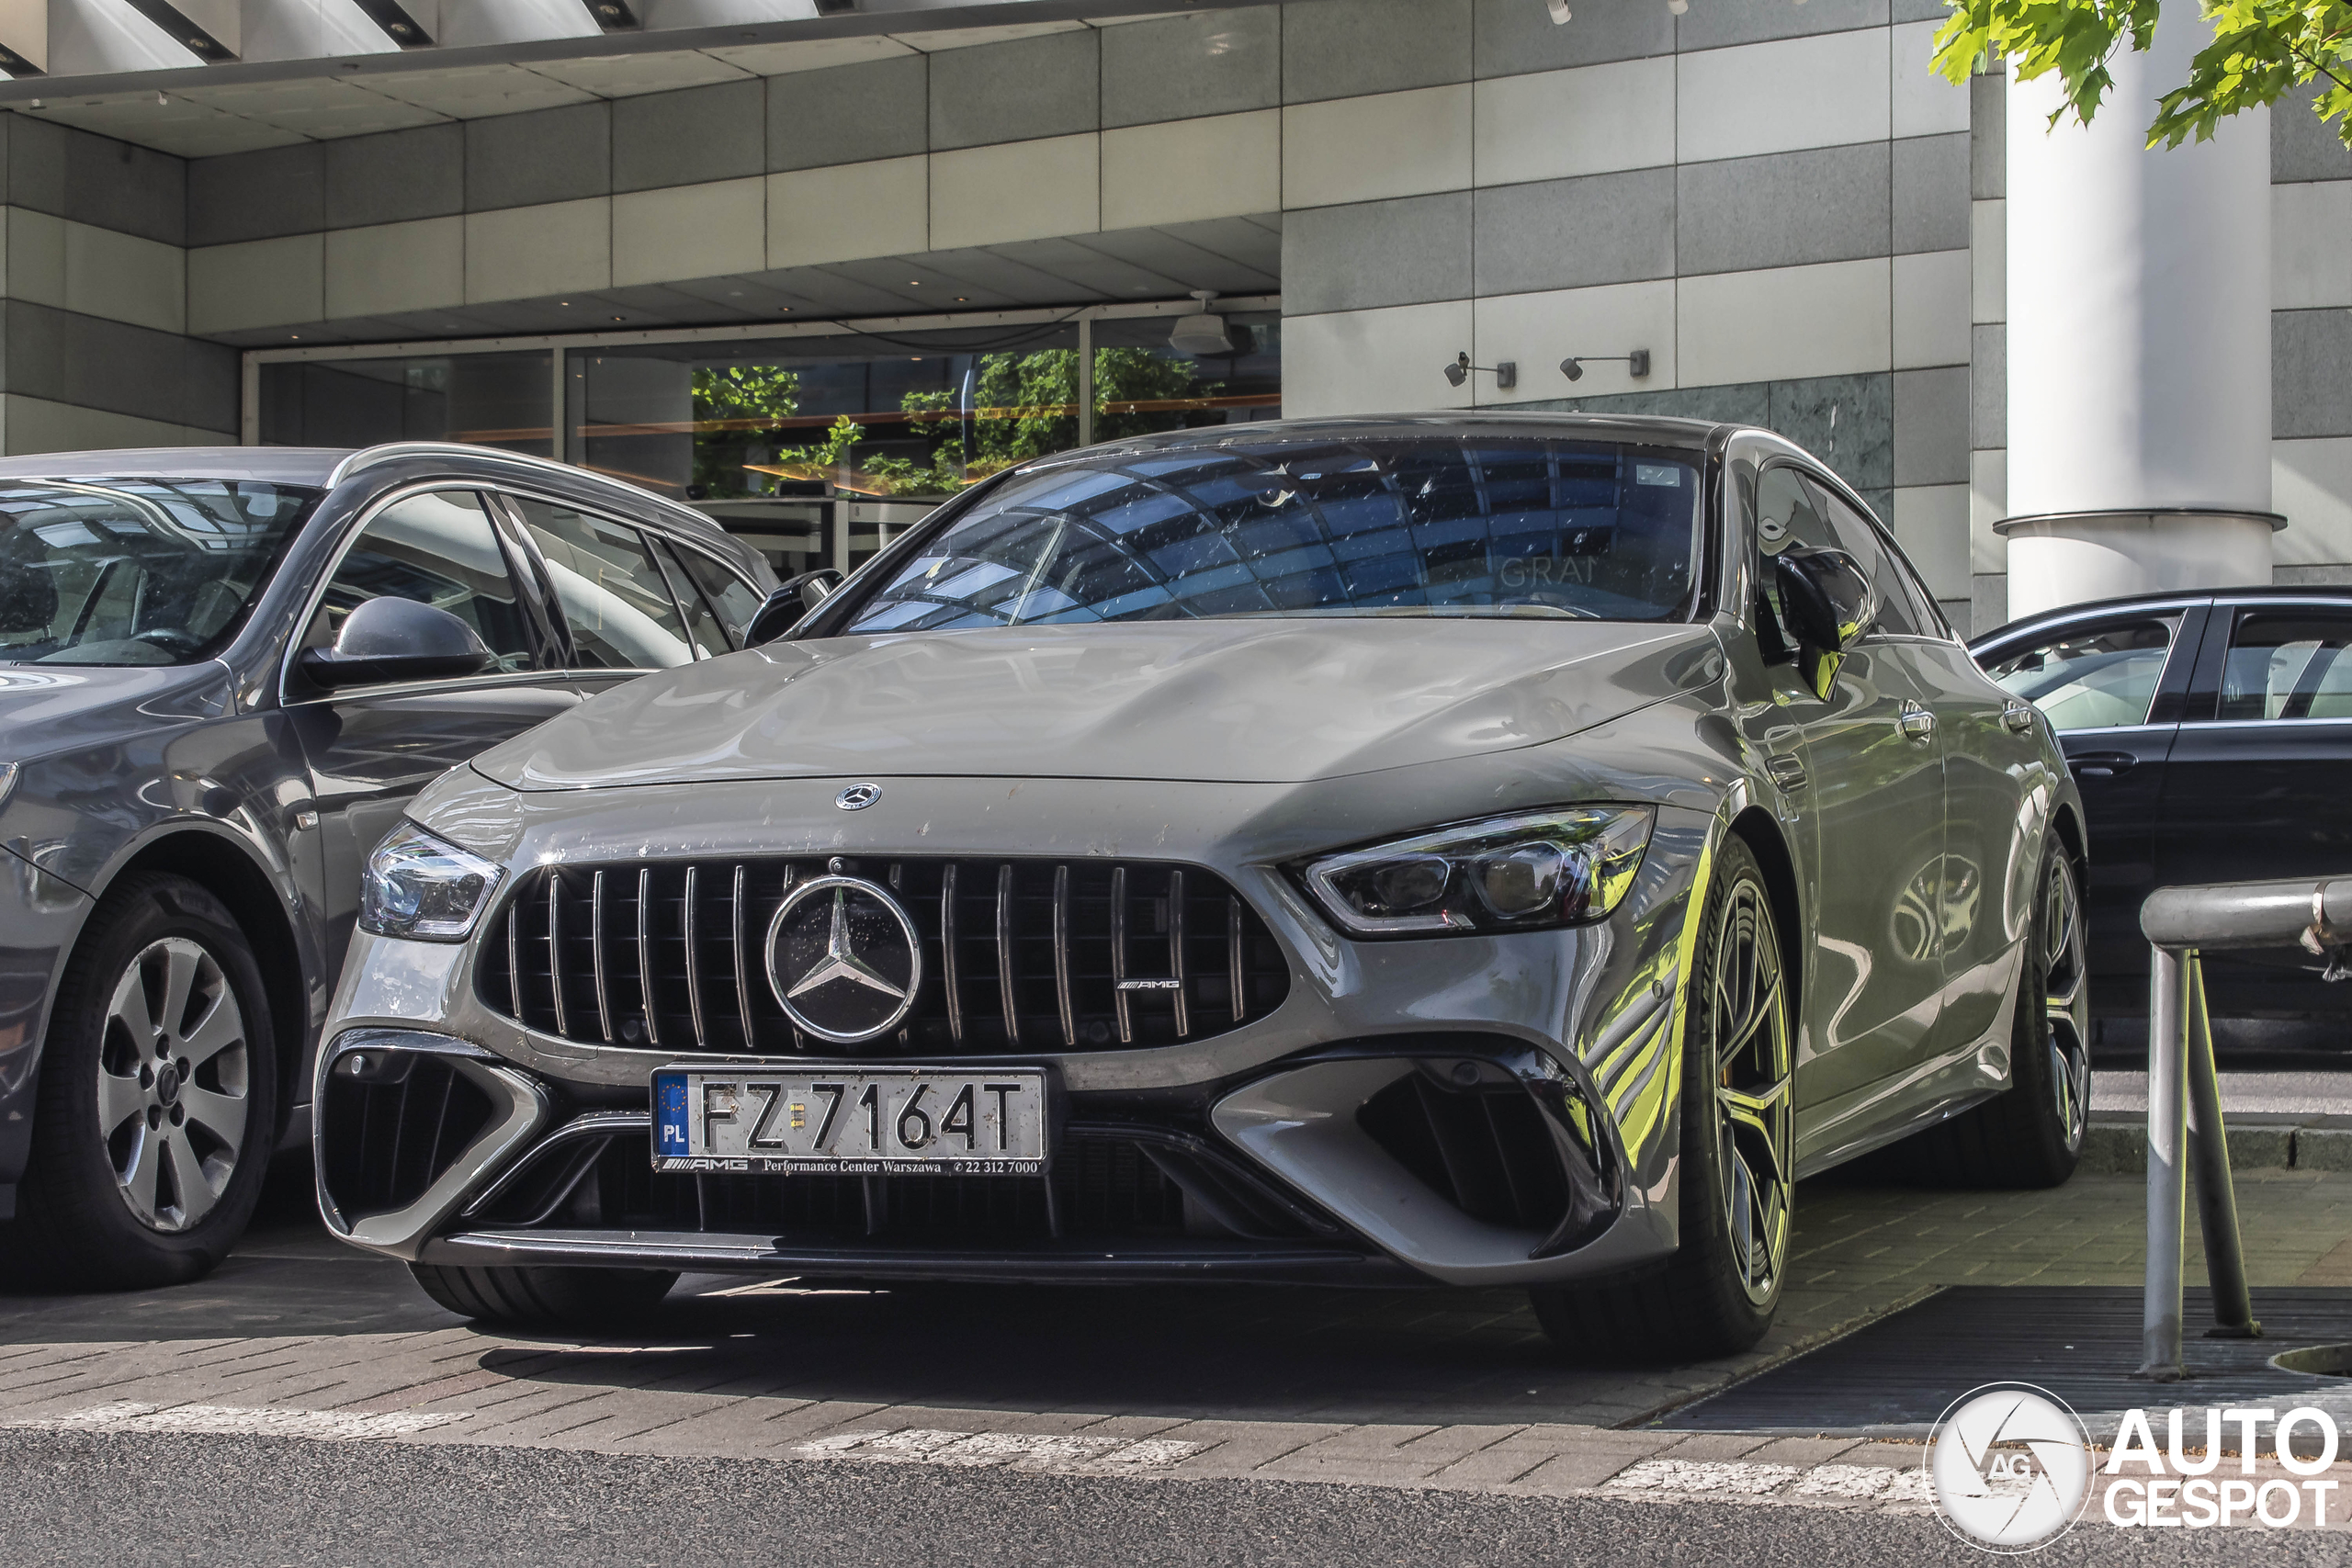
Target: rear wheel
<point>1716,1295</point>
<point>2030,1134</point>
<point>545,1297</point>
<point>158,1098</point>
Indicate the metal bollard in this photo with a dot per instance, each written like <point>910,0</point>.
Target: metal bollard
<point>2185,1135</point>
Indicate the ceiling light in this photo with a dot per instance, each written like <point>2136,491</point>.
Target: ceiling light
<point>1203,334</point>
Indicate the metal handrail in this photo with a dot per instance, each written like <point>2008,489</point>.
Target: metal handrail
<point>2185,1135</point>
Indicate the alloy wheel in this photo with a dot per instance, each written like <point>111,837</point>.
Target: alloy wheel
<point>1754,1122</point>
<point>2066,1000</point>
<point>174,1083</point>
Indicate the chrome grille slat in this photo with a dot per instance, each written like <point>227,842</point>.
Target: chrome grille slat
<point>694,965</point>
<point>1119,955</point>
<point>645,954</point>
<point>1004,954</point>
<point>1031,955</point>
<point>1176,952</point>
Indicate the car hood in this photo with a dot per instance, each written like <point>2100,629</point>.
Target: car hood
<point>1232,701</point>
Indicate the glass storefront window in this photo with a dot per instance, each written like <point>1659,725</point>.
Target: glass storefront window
<point>486,400</point>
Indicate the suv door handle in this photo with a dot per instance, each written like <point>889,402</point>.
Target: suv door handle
<point>1915,722</point>
<point>2101,764</point>
<point>2017,717</point>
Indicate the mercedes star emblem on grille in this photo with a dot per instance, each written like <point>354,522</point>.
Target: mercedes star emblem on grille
<point>843,958</point>
<point>858,796</point>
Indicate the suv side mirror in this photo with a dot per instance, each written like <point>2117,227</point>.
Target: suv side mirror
<point>1828,598</point>
<point>395,639</point>
<point>788,603</point>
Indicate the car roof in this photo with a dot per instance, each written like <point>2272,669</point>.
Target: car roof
<point>1406,426</point>
<point>272,465</point>
<point>2130,601</point>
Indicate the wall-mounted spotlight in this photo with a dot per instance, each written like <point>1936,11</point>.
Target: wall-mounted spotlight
<point>1504,371</point>
<point>1637,363</point>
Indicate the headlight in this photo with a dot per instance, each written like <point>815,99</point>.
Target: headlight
<point>1527,872</point>
<point>417,885</point>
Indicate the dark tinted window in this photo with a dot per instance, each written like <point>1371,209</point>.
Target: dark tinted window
<point>2288,664</point>
<point>2092,678</point>
<point>1322,527</point>
<point>135,572</point>
<point>734,601</point>
<point>1900,610</point>
<point>436,549</point>
<point>616,598</point>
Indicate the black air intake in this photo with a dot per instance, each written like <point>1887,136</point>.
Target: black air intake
<point>1017,955</point>
<point>390,1128</point>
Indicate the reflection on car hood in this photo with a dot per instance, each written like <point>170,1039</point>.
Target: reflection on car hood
<point>1235,700</point>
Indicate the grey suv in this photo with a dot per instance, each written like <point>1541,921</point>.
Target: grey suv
<point>222,675</point>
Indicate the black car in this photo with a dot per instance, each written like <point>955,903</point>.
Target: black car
<point>223,672</point>
<point>2211,735</point>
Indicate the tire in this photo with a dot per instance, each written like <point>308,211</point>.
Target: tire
<point>2030,1134</point>
<point>545,1297</point>
<point>157,1111</point>
<point>1716,1295</point>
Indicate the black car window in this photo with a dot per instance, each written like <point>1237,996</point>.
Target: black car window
<point>135,571</point>
<point>2099,677</point>
<point>734,601</point>
<point>1899,608</point>
<point>1788,516</point>
<point>612,594</point>
<point>437,549</point>
<point>1320,527</point>
<point>2288,663</point>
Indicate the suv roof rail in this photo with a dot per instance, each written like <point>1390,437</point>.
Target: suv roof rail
<point>393,451</point>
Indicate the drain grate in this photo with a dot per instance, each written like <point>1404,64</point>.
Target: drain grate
<point>1898,1374</point>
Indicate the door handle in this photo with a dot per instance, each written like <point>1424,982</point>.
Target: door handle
<point>1915,722</point>
<point>2101,764</point>
<point>2017,717</point>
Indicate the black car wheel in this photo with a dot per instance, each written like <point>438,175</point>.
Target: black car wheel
<point>158,1104</point>
<point>545,1297</point>
<point>1716,1295</point>
<point>2030,1134</point>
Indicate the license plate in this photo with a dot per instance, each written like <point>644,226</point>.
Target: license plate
<point>869,1120</point>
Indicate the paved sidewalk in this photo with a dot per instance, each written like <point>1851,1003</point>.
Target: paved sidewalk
<point>298,1336</point>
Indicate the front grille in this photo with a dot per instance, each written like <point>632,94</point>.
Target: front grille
<point>389,1136</point>
<point>1100,1188</point>
<point>1017,955</point>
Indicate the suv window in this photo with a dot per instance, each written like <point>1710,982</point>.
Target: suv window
<point>437,549</point>
<point>734,601</point>
<point>614,594</point>
<point>2288,664</point>
<point>703,625</point>
<point>2098,677</point>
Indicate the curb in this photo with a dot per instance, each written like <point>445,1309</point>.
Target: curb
<point>2116,1141</point>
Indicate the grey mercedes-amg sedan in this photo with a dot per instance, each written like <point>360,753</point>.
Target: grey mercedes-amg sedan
<point>1482,850</point>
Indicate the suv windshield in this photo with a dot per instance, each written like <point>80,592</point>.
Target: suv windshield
<point>135,572</point>
<point>1476,526</point>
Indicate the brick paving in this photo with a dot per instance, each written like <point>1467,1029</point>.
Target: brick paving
<point>1412,1388</point>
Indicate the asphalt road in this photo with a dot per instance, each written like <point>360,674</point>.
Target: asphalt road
<point>74,1498</point>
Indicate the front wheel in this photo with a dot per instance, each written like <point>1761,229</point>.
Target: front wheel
<point>1716,1295</point>
<point>158,1104</point>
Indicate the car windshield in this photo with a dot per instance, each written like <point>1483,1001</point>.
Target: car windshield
<point>1472,525</point>
<point>135,571</point>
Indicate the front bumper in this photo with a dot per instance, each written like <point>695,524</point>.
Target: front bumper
<point>1470,1111</point>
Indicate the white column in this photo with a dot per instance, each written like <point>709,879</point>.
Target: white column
<point>2139,343</point>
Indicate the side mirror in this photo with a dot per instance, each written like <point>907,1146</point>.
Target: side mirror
<point>788,603</point>
<point>396,639</point>
<point>1828,598</point>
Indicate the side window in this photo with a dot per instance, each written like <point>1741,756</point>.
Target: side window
<point>703,625</point>
<point>735,601</point>
<point>2092,678</point>
<point>612,592</point>
<point>1899,611</point>
<point>436,549</point>
<point>2288,664</point>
